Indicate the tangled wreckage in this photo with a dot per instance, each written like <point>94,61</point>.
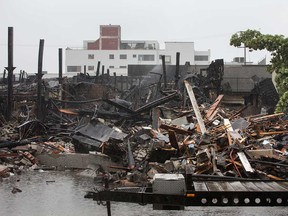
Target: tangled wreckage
<point>166,139</point>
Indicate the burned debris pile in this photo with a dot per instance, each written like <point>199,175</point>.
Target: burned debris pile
<point>132,135</point>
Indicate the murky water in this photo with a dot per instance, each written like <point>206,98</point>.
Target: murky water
<point>62,193</point>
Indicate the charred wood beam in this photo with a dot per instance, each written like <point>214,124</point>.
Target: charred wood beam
<point>120,106</point>
<point>76,102</point>
<point>155,103</point>
<point>214,107</point>
<point>12,144</point>
<point>177,130</point>
<point>173,139</point>
<point>269,163</point>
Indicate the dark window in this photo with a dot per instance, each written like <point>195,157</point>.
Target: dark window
<point>146,57</point>
<point>90,56</point>
<point>111,56</point>
<point>111,66</point>
<point>73,68</point>
<point>123,56</point>
<point>123,66</point>
<point>90,67</point>
<point>134,55</point>
<point>201,58</point>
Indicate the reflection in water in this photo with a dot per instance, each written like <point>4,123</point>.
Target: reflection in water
<point>62,193</point>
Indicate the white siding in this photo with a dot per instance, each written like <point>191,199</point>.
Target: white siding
<point>79,57</point>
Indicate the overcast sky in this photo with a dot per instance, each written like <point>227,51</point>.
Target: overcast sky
<point>66,23</point>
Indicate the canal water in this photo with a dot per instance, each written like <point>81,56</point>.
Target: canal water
<point>62,193</point>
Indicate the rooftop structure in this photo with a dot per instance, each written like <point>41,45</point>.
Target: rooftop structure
<point>116,54</point>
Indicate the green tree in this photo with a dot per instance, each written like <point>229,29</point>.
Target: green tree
<point>278,46</point>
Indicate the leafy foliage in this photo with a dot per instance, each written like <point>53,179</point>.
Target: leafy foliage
<point>278,46</point>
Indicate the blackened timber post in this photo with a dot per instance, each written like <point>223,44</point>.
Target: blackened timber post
<point>10,70</point>
<point>121,82</point>
<point>127,82</point>
<point>97,72</point>
<point>60,58</point>
<point>115,80</point>
<point>108,75</point>
<point>39,75</point>
<point>102,75</point>
<point>164,71</point>
<point>177,69</point>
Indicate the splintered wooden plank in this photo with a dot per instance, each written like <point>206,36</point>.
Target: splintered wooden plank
<point>213,186</point>
<point>264,186</point>
<point>226,186</point>
<point>238,186</point>
<point>251,186</point>
<point>195,107</point>
<point>214,106</point>
<point>200,186</point>
<point>245,162</point>
<point>276,186</point>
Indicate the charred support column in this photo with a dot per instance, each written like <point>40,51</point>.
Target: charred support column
<point>102,75</point>
<point>39,75</point>
<point>115,80</point>
<point>127,82</point>
<point>10,70</point>
<point>97,72</point>
<point>60,56</point>
<point>121,82</point>
<point>164,71</point>
<point>85,71</point>
<point>177,70</point>
<point>108,75</point>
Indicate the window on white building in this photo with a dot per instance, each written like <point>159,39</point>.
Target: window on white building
<point>201,58</point>
<point>123,56</point>
<point>90,67</point>
<point>146,57</point>
<point>134,55</point>
<point>111,56</point>
<point>123,66</point>
<point>90,56</point>
<point>73,68</point>
<point>111,66</point>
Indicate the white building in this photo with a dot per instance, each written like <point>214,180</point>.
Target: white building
<point>117,54</point>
